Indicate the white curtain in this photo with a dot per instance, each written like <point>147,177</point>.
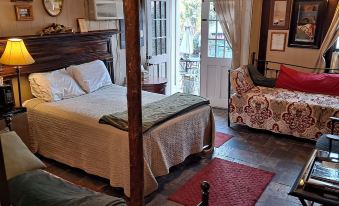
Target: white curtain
<point>235,19</point>
<point>330,38</point>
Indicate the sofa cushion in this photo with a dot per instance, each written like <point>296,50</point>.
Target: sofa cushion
<point>259,79</point>
<point>285,111</point>
<point>241,80</point>
<point>308,82</point>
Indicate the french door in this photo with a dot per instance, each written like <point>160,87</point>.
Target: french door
<point>157,12</point>
<point>216,58</point>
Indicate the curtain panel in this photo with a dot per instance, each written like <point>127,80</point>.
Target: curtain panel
<point>329,40</point>
<point>235,19</point>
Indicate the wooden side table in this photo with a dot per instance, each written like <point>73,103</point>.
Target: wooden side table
<point>8,116</point>
<point>155,85</point>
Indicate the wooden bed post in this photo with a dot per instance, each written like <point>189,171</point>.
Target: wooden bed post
<point>133,62</point>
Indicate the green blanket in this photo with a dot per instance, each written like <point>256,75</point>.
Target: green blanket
<point>157,112</point>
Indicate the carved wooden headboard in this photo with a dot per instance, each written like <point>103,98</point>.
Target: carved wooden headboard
<point>61,50</point>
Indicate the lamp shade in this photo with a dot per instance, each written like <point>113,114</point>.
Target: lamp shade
<point>16,54</point>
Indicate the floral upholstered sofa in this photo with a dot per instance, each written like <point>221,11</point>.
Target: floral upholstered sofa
<point>279,110</point>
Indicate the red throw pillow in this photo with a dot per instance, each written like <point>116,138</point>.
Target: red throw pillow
<point>308,82</point>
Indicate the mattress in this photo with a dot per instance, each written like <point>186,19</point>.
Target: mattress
<point>68,131</point>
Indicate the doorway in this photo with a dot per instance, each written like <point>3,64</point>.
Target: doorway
<point>216,58</point>
<point>188,44</point>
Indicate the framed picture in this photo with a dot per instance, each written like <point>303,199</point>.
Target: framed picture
<point>306,23</point>
<point>24,12</point>
<point>280,13</point>
<point>278,41</point>
<point>82,25</point>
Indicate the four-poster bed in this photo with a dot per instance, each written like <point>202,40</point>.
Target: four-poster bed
<point>79,48</point>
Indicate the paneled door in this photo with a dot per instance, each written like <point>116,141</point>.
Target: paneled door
<point>157,12</point>
<point>216,58</point>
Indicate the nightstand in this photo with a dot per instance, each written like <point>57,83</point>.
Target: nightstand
<point>155,85</point>
<point>8,116</point>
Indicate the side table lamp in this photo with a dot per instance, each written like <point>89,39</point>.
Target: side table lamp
<point>17,55</point>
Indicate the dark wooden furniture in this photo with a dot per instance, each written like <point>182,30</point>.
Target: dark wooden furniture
<point>58,51</point>
<point>315,196</point>
<point>8,116</point>
<point>155,85</point>
<point>205,186</point>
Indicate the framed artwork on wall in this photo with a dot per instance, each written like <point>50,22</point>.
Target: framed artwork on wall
<point>306,23</point>
<point>82,25</point>
<point>280,13</point>
<point>278,41</point>
<point>24,12</point>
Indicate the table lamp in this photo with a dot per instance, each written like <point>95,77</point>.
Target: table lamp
<point>16,54</point>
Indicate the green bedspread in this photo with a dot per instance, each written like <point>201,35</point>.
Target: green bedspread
<point>157,112</point>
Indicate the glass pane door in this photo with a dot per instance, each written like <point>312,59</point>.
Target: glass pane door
<point>157,51</point>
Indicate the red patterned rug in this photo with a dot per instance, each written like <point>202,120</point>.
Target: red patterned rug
<point>231,184</point>
<point>221,138</point>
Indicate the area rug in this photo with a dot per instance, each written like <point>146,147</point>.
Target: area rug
<point>221,138</point>
<point>230,184</point>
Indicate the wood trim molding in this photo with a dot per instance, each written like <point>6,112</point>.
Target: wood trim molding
<point>266,5</point>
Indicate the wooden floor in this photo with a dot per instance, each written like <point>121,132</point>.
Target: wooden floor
<point>283,155</point>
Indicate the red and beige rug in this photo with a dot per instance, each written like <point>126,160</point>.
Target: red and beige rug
<point>230,184</point>
<point>221,138</point>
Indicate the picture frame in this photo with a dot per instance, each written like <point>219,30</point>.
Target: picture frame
<point>306,23</point>
<point>53,7</point>
<point>278,41</point>
<point>24,12</point>
<point>280,13</point>
<point>82,25</point>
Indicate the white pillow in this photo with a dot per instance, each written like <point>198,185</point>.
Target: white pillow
<point>54,86</point>
<point>91,76</point>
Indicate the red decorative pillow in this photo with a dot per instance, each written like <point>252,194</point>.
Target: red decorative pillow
<point>308,82</point>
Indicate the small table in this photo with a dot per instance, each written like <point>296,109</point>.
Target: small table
<point>8,116</point>
<point>316,196</point>
<point>155,85</point>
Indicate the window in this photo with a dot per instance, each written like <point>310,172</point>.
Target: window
<point>217,45</point>
<point>159,36</point>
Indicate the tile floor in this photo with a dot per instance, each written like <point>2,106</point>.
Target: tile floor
<point>283,155</point>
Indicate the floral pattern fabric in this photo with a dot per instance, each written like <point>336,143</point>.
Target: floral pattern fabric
<point>284,111</point>
<point>241,80</point>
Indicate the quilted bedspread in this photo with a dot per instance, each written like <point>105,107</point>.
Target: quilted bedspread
<point>68,131</point>
<point>279,110</point>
